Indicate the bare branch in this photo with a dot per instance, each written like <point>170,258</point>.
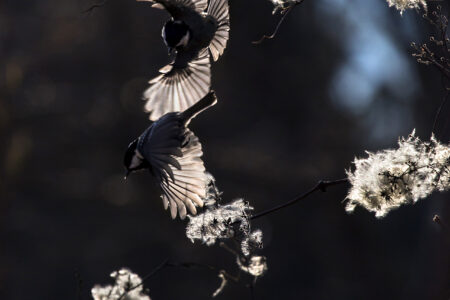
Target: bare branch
<point>322,185</point>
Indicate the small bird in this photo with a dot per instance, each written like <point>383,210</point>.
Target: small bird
<point>193,34</point>
<point>172,153</point>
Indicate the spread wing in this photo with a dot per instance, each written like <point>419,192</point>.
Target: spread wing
<point>176,7</point>
<point>219,10</point>
<point>180,85</point>
<point>174,153</point>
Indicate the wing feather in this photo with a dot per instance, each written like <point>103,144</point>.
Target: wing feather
<point>219,10</point>
<point>180,88</point>
<point>175,7</point>
<point>178,168</point>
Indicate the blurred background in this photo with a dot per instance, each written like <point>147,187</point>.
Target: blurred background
<point>337,80</point>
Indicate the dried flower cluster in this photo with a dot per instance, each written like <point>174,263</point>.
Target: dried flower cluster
<point>218,222</point>
<point>251,242</point>
<point>401,5</point>
<point>255,265</point>
<point>389,178</point>
<point>213,195</point>
<point>280,6</point>
<point>227,221</point>
<point>128,286</point>
<point>436,53</point>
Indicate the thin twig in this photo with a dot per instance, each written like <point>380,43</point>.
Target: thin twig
<point>321,185</point>
<point>79,284</point>
<point>252,290</point>
<point>435,63</point>
<point>153,272</point>
<point>90,9</point>
<point>439,110</point>
<point>189,265</point>
<point>285,13</point>
<point>223,283</point>
<point>229,249</point>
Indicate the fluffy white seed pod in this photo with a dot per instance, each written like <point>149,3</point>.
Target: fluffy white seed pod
<point>401,5</point>
<point>125,282</point>
<point>390,178</point>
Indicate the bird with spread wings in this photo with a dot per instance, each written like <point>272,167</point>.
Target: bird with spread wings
<point>173,154</point>
<point>196,31</point>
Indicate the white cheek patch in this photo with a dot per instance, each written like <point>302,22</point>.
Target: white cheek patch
<point>184,40</point>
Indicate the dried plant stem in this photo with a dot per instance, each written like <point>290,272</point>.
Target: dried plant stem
<point>187,265</point>
<point>439,110</point>
<point>322,185</point>
<point>443,225</point>
<point>79,284</point>
<point>190,265</point>
<point>153,272</point>
<point>440,67</point>
<point>229,249</point>
<point>252,290</point>
<point>90,9</point>
<point>284,13</point>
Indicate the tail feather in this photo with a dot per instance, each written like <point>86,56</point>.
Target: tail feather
<point>209,100</point>
<point>219,10</point>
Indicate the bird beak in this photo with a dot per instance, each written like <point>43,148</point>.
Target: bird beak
<point>170,51</point>
<point>126,174</point>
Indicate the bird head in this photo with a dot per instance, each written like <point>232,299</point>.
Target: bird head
<point>175,34</point>
<point>133,160</point>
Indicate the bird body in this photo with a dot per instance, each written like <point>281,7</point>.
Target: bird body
<point>195,31</point>
<point>172,153</point>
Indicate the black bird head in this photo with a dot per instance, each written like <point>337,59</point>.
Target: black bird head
<point>176,34</point>
<point>133,160</point>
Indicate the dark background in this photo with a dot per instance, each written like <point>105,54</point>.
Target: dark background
<point>337,80</point>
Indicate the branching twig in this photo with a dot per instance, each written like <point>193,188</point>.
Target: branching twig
<point>285,12</point>
<point>321,185</point>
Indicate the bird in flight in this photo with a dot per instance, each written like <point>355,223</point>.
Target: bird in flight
<point>172,153</point>
<point>195,32</point>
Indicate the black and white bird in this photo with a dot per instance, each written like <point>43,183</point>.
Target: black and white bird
<point>172,153</point>
<point>194,34</point>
